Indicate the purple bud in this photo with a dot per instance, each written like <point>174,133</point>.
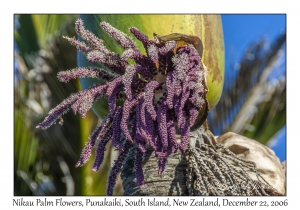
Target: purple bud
<point>177,87</point>
<point>114,87</point>
<point>183,99</point>
<point>128,105</point>
<point>78,44</point>
<point>149,97</point>
<point>181,65</point>
<point>185,137</point>
<point>111,60</point>
<point>170,89</point>
<point>92,72</point>
<point>169,46</point>
<point>193,112</point>
<point>145,127</point>
<point>172,143</point>
<point>127,54</point>
<point>101,148</point>
<point>141,136</point>
<point>138,168</point>
<point>152,52</point>
<point>117,129</point>
<point>116,169</point>
<point>161,165</point>
<point>121,38</point>
<point>93,41</point>
<point>140,36</point>
<point>87,98</point>
<point>151,131</point>
<point>162,123</point>
<point>127,80</point>
<point>86,153</point>
<point>58,111</point>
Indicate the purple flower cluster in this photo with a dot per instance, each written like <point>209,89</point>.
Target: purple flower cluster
<point>162,91</point>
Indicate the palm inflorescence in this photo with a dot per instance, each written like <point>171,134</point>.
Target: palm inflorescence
<point>161,94</point>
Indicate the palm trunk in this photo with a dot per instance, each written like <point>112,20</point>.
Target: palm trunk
<point>206,168</point>
<point>171,182</point>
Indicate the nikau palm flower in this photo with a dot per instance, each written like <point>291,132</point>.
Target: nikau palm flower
<point>163,93</point>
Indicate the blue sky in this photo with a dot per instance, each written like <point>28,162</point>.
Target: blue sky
<point>242,30</point>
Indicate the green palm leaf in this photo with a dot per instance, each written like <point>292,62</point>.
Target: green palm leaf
<point>44,160</point>
<point>253,105</point>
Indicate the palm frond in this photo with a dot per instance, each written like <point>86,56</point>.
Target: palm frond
<point>249,94</point>
<point>39,60</point>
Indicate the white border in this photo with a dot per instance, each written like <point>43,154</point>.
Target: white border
<point>153,6</point>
